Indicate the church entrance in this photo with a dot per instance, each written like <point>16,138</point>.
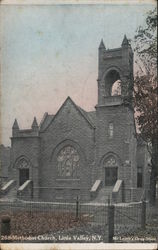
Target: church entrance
<point>110,170</point>
<point>110,176</point>
<point>23,175</point>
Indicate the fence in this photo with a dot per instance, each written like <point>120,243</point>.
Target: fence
<point>70,222</point>
<point>128,217</point>
<point>56,219</point>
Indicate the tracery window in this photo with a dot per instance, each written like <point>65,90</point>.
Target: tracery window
<point>68,162</point>
<point>110,162</point>
<point>23,163</point>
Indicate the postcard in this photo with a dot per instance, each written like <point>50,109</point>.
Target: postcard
<point>78,148</point>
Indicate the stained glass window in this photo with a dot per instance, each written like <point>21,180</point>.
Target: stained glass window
<point>68,162</point>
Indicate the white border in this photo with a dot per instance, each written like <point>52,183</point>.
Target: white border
<point>77,246</point>
<point>56,2</point>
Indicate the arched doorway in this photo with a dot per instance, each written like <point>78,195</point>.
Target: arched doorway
<point>110,171</point>
<point>24,170</point>
<point>23,176</point>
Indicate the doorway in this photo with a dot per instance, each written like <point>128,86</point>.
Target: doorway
<point>110,176</point>
<point>23,175</point>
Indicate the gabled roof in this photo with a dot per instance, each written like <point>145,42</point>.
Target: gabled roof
<point>88,116</point>
<point>46,120</point>
<point>92,116</point>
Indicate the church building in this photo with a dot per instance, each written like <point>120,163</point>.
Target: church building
<point>93,155</point>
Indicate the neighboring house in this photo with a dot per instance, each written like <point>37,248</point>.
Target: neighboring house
<point>86,154</point>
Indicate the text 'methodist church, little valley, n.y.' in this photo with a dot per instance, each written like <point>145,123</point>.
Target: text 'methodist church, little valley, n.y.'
<point>92,155</point>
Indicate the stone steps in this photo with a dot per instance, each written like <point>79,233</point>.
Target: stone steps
<point>11,194</point>
<point>104,195</point>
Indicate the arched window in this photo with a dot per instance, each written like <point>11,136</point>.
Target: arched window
<point>111,130</point>
<point>68,162</point>
<point>110,162</point>
<point>22,163</point>
<point>112,83</point>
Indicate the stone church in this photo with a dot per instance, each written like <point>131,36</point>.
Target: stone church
<point>92,155</point>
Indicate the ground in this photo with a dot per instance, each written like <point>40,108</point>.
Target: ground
<point>66,227</point>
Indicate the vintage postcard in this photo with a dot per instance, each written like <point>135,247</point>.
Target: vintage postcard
<point>78,126</point>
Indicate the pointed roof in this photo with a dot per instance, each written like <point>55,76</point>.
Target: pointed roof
<point>34,124</point>
<point>125,41</point>
<point>102,46</point>
<point>49,118</point>
<point>82,112</point>
<point>45,121</point>
<point>89,116</point>
<point>15,125</point>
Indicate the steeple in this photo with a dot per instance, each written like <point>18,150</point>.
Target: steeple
<point>125,41</point>
<point>102,46</point>
<point>15,128</point>
<point>15,125</point>
<point>34,124</point>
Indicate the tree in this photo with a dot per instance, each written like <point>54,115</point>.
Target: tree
<point>146,91</point>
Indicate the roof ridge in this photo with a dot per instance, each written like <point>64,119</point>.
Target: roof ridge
<point>82,111</point>
<point>87,115</point>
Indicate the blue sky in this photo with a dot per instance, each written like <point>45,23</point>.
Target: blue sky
<point>50,52</point>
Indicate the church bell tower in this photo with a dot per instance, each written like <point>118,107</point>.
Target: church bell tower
<point>115,75</point>
<point>115,127</point>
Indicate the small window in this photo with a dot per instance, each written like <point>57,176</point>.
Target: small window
<point>139,177</point>
<point>111,130</point>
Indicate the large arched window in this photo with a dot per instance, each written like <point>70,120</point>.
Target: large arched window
<point>68,161</point>
<point>112,83</point>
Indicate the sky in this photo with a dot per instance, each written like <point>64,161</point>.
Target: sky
<point>49,52</point>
